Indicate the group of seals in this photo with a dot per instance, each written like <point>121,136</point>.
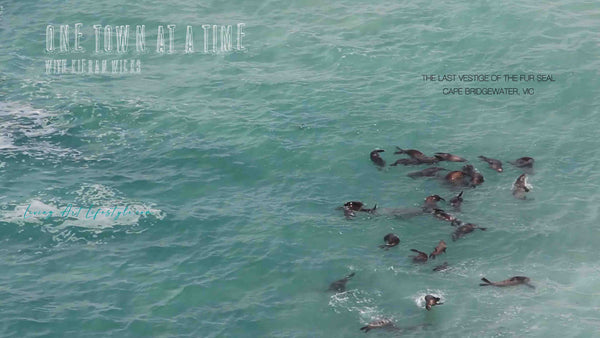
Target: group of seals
<point>467,176</point>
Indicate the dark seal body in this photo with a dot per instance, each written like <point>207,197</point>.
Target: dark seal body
<point>352,206</point>
<point>439,249</point>
<point>449,157</point>
<point>494,163</point>
<point>516,280</point>
<point>465,229</point>
<point>431,202</point>
<point>417,155</point>
<point>378,324</point>
<point>376,158</point>
<point>455,177</point>
<point>390,240</point>
<point>421,257</point>
<point>521,187</point>
<point>444,216</point>
<point>523,162</point>
<point>410,152</point>
<point>340,285</point>
<point>476,177</point>
<point>431,301</point>
<point>456,201</point>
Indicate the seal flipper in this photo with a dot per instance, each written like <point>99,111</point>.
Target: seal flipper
<point>365,328</point>
<point>486,281</point>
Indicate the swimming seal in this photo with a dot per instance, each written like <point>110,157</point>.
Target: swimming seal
<point>465,229</point>
<point>521,187</point>
<point>431,301</point>
<point>516,280</point>
<point>444,216</point>
<point>476,177</point>
<point>523,162</point>
<point>456,201</point>
<point>410,152</point>
<point>494,164</point>
<point>406,161</point>
<point>352,206</point>
<point>429,172</point>
<point>431,202</point>
<point>378,324</point>
<point>390,240</point>
<point>421,257</point>
<point>455,177</point>
<point>417,155</point>
<point>376,158</point>
<point>449,157</point>
<point>441,267</point>
<point>439,249</point>
<point>340,285</point>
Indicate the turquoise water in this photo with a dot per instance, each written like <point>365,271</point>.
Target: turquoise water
<point>241,158</point>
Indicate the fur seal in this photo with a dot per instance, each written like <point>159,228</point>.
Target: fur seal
<point>523,162</point>
<point>417,155</point>
<point>494,164</point>
<point>390,240</point>
<point>352,206</point>
<point>429,172</point>
<point>410,152</point>
<point>516,280</point>
<point>441,267</point>
<point>455,177</point>
<point>449,157</point>
<point>431,301</point>
<point>340,285</point>
<point>465,229</point>
<point>421,257</point>
<point>521,187</point>
<point>378,324</point>
<point>444,216</point>
<point>456,201</point>
<point>439,249</point>
<point>406,161</point>
<point>376,158</point>
<point>476,177</point>
<point>431,202</point>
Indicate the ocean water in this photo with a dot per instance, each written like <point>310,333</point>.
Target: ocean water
<point>232,165</point>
